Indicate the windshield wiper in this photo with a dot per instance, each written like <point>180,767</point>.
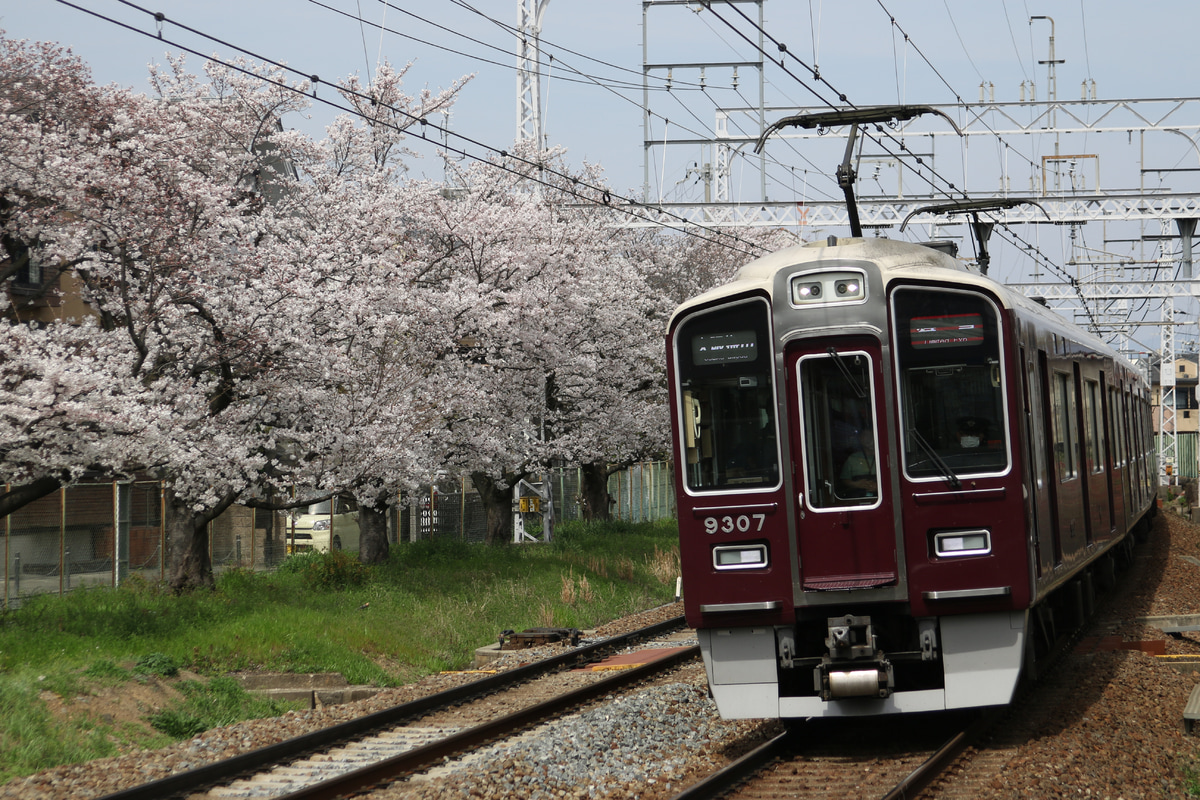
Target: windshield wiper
<point>947,473</point>
<point>841,364</point>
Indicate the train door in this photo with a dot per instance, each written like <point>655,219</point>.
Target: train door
<point>1116,475</point>
<point>1038,479</point>
<point>1095,473</point>
<point>1120,417</point>
<point>1070,521</point>
<point>1052,450</point>
<point>846,537</point>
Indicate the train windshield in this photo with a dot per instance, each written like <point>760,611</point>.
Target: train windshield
<point>727,425</point>
<point>951,384</point>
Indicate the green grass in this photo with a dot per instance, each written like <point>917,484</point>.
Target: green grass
<point>30,738</point>
<point>1191,778</point>
<point>211,704</point>
<point>425,610</point>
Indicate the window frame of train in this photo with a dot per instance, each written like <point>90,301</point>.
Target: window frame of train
<point>951,376</point>
<point>838,388</point>
<point>725,388</point>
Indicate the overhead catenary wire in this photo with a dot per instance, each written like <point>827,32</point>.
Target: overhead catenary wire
<point>597,195</point>
<point>747,102</point>
<point>672,87</point>
<point>509,65</point>
<point>842,97</point>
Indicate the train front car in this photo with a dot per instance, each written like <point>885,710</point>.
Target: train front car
<point>852,523</point>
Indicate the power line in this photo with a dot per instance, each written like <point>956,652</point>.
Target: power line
<point>1030,248</point>
<point>599,195</point>
<point>585,79</point>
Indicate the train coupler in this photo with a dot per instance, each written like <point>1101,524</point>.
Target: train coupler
<point>855,667</point>
<point>850,637</point>
<point>835,681</point>
<point>785,646</point>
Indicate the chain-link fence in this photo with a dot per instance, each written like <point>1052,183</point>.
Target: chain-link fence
<point>104,533</point>
<point>83,535</point>
<point>640,493</point>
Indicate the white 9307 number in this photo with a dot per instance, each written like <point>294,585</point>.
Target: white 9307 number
<point>743,523</point>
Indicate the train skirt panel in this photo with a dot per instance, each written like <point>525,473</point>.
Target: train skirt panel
<point>980,659</point>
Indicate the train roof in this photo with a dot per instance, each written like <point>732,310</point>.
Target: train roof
<point>896,260</point>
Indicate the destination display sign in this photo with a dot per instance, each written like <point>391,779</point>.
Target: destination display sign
<point>724,348</point>
<point>950,330</point>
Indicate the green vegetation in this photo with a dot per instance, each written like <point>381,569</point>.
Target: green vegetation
<point>1191,778</point>
<point>220,701</point>
<point>425,610</point>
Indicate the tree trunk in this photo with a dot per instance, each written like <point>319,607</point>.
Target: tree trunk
<point>597,505</point>
<point>372,532</point>
<point>497,506</point>
<point>26,493</point>
<point>187,541</point>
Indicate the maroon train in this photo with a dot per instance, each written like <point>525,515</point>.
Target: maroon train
<point>898,481</point>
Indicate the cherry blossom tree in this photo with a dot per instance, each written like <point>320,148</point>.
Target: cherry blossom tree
<point>560,358</point>
<point>272,314</point>
<point>249,288</point>
<point>153,206</point>
<point>367,374</point>
<point>46,380</point>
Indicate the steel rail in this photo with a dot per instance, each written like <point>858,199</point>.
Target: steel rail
<point>732,774</point>
<point>726,778</point>
<point>420,758</point>
<point>257,759</point>
<point>921,777</point>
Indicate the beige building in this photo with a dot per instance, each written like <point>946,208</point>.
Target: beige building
<point>1187,409</point>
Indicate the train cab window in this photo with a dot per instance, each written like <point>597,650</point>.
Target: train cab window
<point>726,396</point>
<point>839,431</point>
<point>952,382</point>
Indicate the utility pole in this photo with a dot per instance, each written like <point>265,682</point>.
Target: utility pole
<point>1052,92</point>
<point>717,150</point>
<point>529,77</point>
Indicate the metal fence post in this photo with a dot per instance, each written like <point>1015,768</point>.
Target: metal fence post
<point>7,532</point>
<point>62,538</point>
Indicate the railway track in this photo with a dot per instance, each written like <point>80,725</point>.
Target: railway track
<point>835,759</point>
<point>386,745</point>
<point>892,758</point>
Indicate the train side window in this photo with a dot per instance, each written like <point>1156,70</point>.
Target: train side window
<point>1093,430</point>
<point>1114,422</point>
<point>1062,403</point>
<point>726,399</point>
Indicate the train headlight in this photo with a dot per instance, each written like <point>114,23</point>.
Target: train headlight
<point>951,544</point>
<point>740,556</point>
<point>848,290</point>
<point>807,291</point>
<point>828,288</point>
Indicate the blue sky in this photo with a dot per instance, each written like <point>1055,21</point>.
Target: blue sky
<point>593,93</point>
<point>871,51</point>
